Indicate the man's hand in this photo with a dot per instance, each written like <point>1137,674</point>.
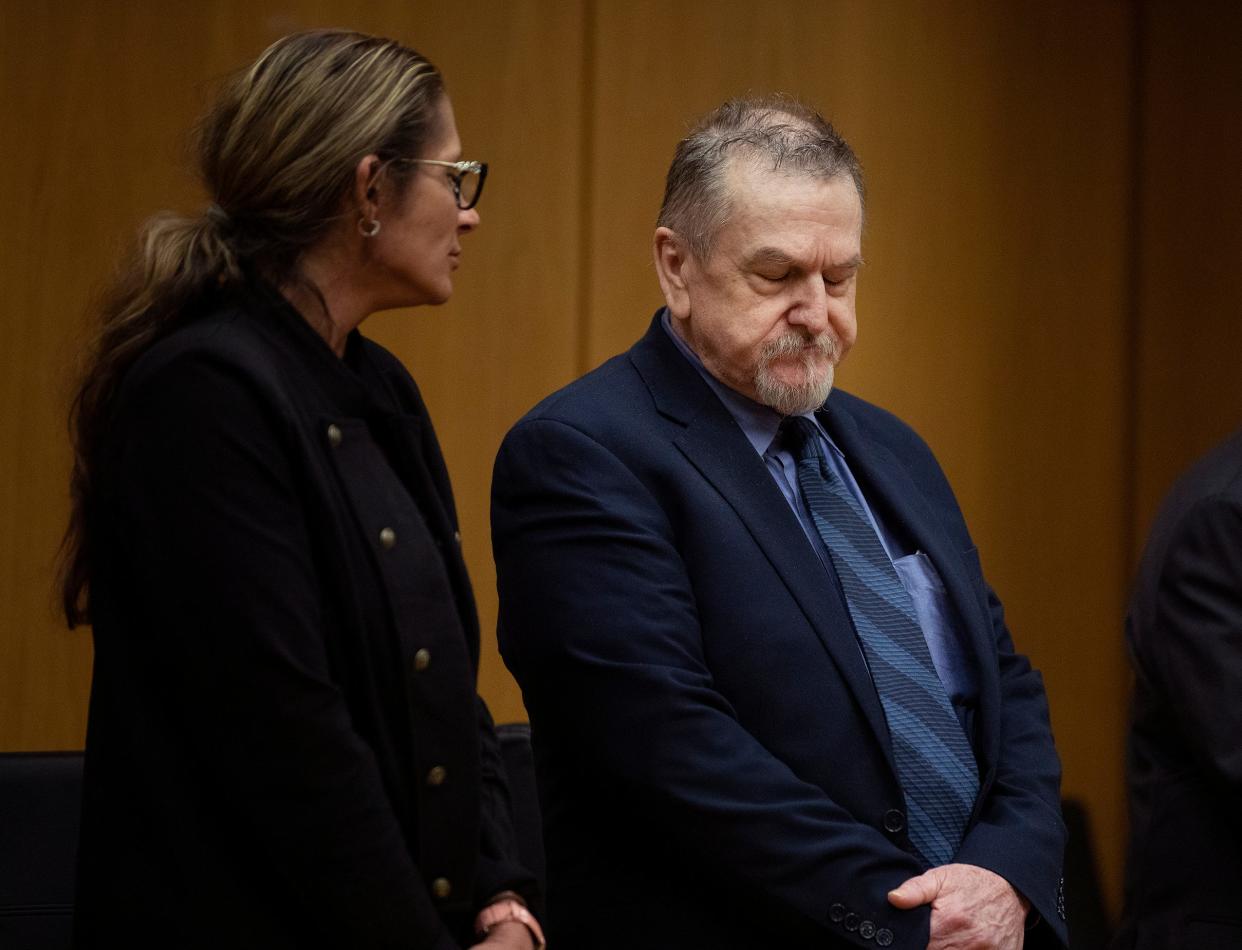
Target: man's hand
<point>972,908</point>
<point>511,935</point>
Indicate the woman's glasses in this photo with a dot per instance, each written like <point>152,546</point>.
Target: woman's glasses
<point>467,178</point>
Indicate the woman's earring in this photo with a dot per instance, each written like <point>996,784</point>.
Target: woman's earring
<point>368,228</point>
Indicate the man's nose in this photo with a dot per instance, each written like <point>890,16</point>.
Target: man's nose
<point>810,307</point>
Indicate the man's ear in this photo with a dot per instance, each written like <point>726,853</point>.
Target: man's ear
<point>673,265</point>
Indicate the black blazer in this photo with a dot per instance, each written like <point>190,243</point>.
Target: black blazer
<point>285,747</point>
<point>713,758</point>
<point>1184,633</point>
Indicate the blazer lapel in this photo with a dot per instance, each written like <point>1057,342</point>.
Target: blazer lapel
<point>890,487</point>
<point>714,444</point>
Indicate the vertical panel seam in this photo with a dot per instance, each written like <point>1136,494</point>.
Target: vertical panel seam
<point>1132,321</point>
<point>586,202</point>
<point>1131,354</point>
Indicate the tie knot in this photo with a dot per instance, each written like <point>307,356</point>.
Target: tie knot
<point>801,437</point>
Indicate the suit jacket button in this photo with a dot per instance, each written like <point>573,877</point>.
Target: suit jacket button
<point>866,929</point>
<point>422,660</point>
<point>851,922</point>
<point>334,435</point>
<point>836,913</point>
<point>388,538</point>
<point>441,887</point>
<point>436,776</point>
<point>894,821</point>
<point>884,937</point>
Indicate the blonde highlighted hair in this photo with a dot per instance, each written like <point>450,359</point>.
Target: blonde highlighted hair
<point>277,154</point>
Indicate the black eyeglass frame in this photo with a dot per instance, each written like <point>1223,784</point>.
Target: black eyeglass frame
<point>460,171</point>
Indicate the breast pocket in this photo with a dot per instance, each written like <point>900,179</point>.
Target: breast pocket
<point>941,623</point>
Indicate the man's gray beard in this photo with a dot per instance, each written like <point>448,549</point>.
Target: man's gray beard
<point>810,395</point>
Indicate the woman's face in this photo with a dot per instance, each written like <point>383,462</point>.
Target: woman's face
<point>419,244</point>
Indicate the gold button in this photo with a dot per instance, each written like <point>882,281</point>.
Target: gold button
<point>437,775</point>
<point>388,538</point>
<point>422,660</point>
<point>334,435</point>
<point>441,887</point>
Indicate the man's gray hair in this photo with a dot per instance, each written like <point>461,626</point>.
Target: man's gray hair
<point>772,129</point>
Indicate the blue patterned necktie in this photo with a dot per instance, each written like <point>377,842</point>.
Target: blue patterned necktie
<point>934,761</point>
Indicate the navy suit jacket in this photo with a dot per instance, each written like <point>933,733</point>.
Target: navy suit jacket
<point>714,764</point>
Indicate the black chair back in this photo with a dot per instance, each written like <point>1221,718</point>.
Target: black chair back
<point>40,801</point>
<point>1089,926</point>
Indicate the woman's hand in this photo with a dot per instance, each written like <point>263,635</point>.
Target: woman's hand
<point>510,935</point>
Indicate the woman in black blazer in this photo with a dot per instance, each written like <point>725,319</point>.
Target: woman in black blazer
<point>285,746</point>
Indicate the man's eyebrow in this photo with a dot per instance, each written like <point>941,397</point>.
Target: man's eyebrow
<point>769,255</point>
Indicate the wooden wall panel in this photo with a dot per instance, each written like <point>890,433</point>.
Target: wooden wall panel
<point>1188,281</point>
<point>98,99</point>
<point>88,151</point>
<point>995,141</point>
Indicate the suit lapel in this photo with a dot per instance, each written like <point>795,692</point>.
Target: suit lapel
<point>889,487</point>
<point>718,449</point>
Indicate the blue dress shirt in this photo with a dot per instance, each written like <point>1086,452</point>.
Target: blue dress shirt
<point>936,614</point>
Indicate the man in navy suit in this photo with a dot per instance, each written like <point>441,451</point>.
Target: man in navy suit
<point>774,701</point>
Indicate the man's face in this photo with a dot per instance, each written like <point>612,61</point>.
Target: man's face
<point>771,311</point>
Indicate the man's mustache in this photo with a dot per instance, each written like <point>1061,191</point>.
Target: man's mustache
<point>793,344</point>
